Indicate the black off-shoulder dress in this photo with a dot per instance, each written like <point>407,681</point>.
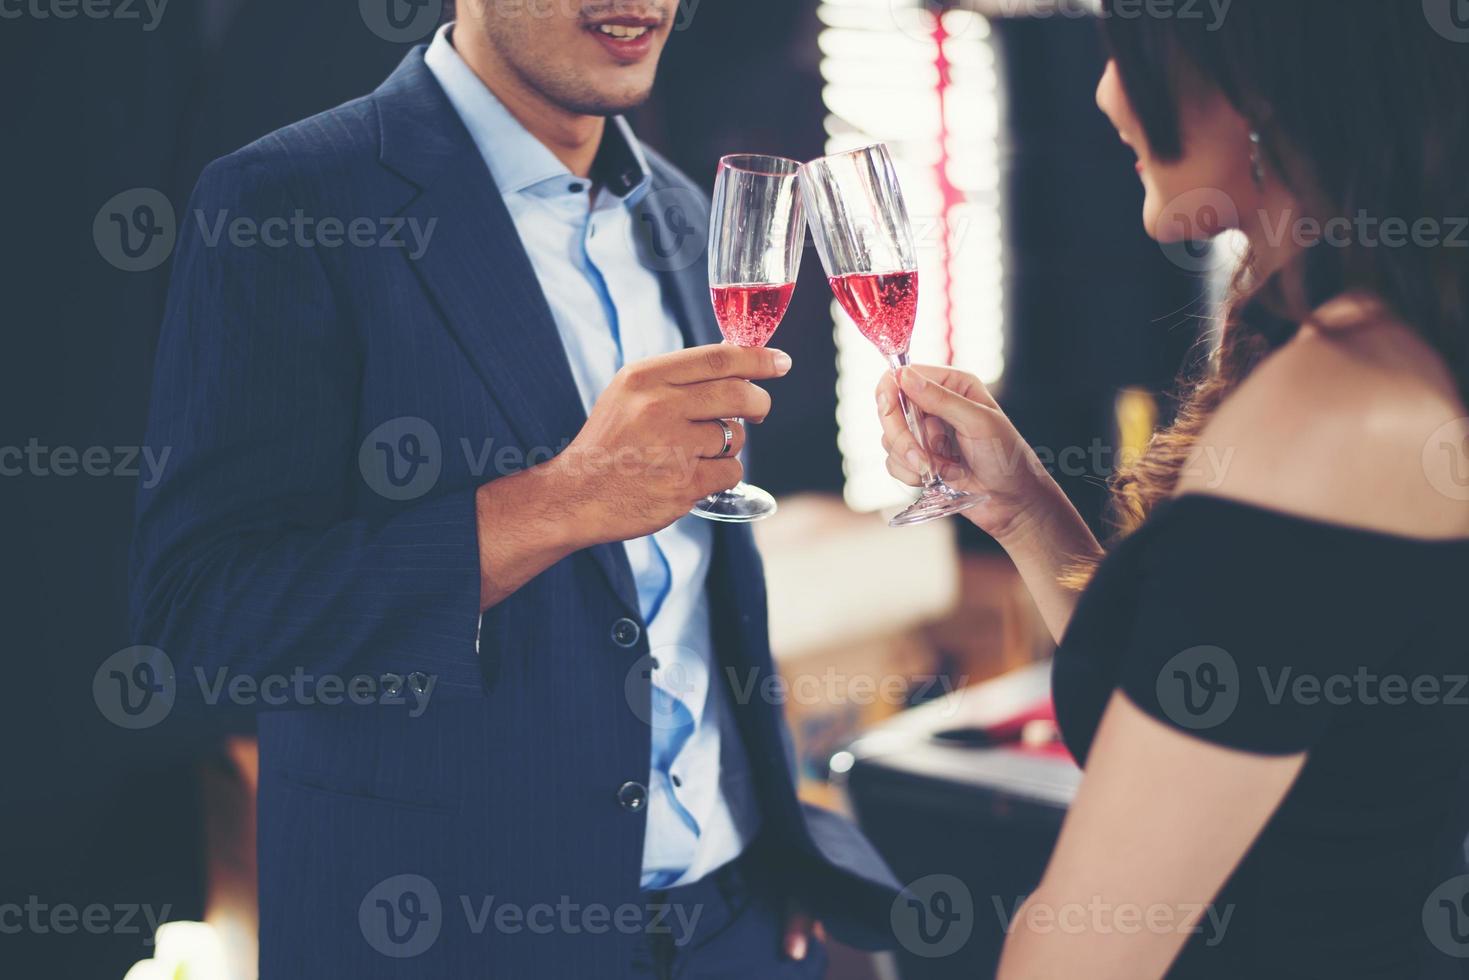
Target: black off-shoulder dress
<point>1275,634</point>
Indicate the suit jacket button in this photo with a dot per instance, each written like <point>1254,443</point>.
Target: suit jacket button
<point>625,633</point>
<point>632,796</point>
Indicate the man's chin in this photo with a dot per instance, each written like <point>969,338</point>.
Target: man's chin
<point>607,105</point>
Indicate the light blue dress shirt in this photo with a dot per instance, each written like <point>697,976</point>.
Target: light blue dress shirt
<point>609,309</point>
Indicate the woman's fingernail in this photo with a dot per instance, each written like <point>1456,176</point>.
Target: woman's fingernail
<point>782,361</point>
<point>916,460</point>
<point>912,381</point>
<point>884,404</point>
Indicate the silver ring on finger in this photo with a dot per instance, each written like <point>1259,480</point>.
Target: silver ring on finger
<point>728,431</point>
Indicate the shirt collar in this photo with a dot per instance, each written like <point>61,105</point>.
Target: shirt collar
<point>517,160</point>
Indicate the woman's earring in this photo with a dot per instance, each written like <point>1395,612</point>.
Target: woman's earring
<point>1257,160</point>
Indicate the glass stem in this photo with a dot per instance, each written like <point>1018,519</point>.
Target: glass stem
<point>914,419</point>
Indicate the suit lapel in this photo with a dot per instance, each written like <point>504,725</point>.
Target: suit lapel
<point>481,278</point>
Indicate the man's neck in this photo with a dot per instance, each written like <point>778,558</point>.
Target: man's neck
<point>572,137</point>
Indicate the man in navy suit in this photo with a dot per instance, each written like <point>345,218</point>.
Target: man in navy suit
<point>440,382</point>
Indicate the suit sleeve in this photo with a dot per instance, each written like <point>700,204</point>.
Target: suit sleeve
<point>243,562</point>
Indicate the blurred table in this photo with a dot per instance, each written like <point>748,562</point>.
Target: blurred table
<point>969,826</point>
<point>836,577</point>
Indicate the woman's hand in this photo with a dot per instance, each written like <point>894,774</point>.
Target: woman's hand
<point>975,446</point>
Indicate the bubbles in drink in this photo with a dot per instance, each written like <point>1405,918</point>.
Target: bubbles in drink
<point>749,313</point>
<point>883,305</point>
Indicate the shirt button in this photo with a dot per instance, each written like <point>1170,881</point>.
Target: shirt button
<point>632,796</point>
<point>625,633</point>
<point>676,781</point>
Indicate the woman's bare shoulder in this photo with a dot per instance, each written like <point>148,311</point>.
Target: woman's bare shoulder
<point>1361,427</point>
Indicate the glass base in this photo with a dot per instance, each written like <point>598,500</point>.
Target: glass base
<point>740,504</point>
<point>937,501</point>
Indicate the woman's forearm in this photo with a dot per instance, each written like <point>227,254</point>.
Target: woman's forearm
<point>1045,542</point>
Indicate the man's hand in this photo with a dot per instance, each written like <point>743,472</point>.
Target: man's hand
<point>645,456</point>
<point>647,453</point>
<point>800,929</point>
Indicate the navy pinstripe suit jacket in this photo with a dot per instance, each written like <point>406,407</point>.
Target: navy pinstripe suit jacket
<point>271,547</point>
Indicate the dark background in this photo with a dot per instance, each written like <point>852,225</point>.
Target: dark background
<point>93,813</point>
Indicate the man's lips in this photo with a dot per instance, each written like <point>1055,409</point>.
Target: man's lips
<point>1140,166</point>
<point>627,38</point>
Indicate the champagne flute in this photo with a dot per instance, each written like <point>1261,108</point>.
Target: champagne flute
<point>756,233</point>
<point>860,226</point>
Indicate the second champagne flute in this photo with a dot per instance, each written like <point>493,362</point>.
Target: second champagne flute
<point>756,233</point>
<point>861,229</point>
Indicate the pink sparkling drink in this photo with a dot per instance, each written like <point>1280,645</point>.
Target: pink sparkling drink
<point>749,314</point>
<point>883,305</point>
